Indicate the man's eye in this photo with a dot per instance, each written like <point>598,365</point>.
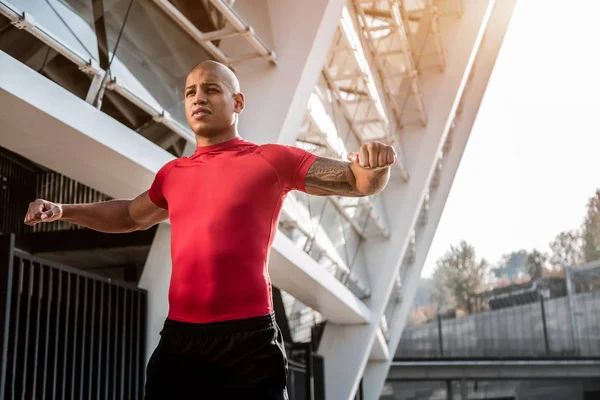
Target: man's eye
<point>188,94</point>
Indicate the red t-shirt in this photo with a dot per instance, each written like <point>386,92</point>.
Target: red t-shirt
<point>224,204</point>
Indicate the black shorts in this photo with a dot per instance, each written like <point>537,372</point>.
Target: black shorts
<point>241,359</point>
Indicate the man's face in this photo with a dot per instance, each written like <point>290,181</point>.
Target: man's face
<point>210,104</point>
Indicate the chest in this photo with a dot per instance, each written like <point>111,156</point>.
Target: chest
<point>226,185</point>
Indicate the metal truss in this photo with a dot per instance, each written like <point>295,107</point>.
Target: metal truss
<point>392,29</point>
<point>422,18</point>
<point>388,40</point>
<point>237,28</point>
<point>350,80</point>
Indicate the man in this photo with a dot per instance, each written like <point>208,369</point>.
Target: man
<point>220,340</point>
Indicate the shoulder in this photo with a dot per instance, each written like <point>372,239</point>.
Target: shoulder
<point>271,148</point>
<point>281,151</point>
<point>291,163</point>
<point>165,169</point>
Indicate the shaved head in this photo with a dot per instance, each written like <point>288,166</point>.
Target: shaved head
<point>212,101</point>
<point>225,75</point>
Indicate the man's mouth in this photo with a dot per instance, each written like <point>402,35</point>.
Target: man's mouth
<point>200,112</point>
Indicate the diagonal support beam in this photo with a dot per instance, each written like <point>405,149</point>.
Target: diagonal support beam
<point>499,16</point>
<point>347,348</point>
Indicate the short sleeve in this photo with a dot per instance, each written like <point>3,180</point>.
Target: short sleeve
<point>291,164</point>
<point>156,193</point>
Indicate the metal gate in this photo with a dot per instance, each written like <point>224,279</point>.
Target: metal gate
<point>67,334</point>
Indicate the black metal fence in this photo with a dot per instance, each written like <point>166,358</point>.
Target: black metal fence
<point>22,181</point>
<point>306,373</point>
<point>548,328</point>
<point>18,180</point>
<point>67,334</point>
<point>61,189</point>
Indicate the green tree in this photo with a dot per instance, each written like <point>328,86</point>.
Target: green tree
<point>567,249</point>
<point>591,228</point>
<point>535,264</point>
<point>511,266</point>
<point>458,277</point>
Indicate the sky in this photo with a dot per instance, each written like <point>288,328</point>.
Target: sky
<point>531,161</point>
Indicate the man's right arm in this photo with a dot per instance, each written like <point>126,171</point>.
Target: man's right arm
<point>115,216</point>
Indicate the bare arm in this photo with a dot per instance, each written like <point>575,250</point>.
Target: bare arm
<point>366,174</point>
<point>115,216</point>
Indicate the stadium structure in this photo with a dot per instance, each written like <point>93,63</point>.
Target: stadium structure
<point>91,95</point>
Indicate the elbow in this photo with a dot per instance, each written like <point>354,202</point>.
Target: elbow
<point>372,182</point>
<point>370,188</point>
<point>367,192</point>
<point>144,227</point>
<point>131,225</point>
<point>360,192</point>
<point>139,226</point>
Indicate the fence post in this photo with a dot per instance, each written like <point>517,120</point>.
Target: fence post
<point>546,343</point>
<point>309,371</point>
<point>464,389</point>
<point>572,310</point>
<point>449,395</point>
<point>440,337</point>
<point>7,245</point>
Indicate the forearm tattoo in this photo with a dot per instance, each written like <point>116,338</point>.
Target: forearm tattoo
<point>330,177</point>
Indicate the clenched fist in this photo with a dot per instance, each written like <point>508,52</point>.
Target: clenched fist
<point>42,211</point>
<point>374,156</point>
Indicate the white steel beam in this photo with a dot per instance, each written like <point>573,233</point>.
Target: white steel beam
<point>346,349</point>
<point>380,351</point>
<point>499,15</point>
<point>53,127</point>
<point>240,26</point>
<point>205,39</point>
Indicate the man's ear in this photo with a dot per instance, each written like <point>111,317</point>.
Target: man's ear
<point>239,102</point>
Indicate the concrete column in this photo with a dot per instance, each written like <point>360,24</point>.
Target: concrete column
<point>300,33</point>
<point>156,278</point>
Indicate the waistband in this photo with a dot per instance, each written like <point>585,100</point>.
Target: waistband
<point>219,328</point>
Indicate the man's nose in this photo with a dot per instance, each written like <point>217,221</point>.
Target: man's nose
<point>200,99</point>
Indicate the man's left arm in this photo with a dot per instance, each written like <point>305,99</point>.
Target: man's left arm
<point>366,174</point>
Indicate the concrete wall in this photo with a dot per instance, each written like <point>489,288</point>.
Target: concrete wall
<point>511,332</point>
<point>518,390</point>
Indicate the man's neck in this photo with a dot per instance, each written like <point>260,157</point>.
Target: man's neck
<point>202,141</point>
